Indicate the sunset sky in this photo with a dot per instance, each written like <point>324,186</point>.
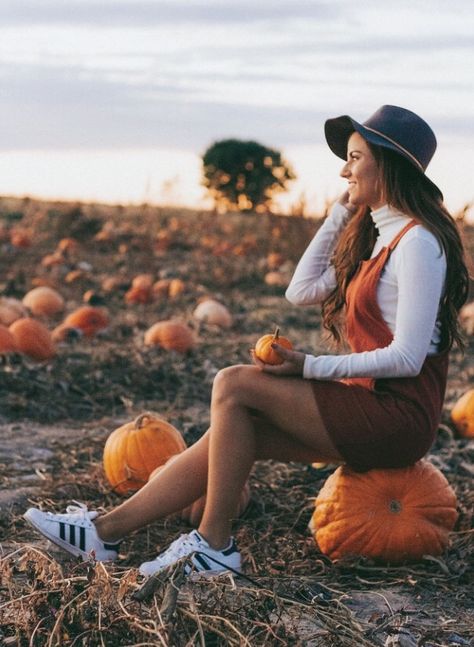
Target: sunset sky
<point>115,100</point>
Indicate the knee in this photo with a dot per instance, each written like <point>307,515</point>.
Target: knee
<point>229,384</point>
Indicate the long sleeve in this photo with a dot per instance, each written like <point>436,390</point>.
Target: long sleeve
<point>418,267</point>
<point>314,277</point>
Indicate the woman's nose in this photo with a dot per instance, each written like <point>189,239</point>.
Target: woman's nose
<point>345,171</point>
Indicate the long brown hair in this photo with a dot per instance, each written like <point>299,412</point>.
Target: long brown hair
<point>406,190</point>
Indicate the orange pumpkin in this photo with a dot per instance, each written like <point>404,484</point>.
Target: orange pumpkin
<point>89,319</point>
<point>68,246</point>
<point>192,514</point>
<point>264,350</point>
<point>32,338</point>
<point>172,335</point>
<point>462,415</point>
<point>276,279</point>
<point>161,288</point>
<point>385,514</point>
<point>175,288</point>
<point>139,294</point>
<point>142,281</point>
<point>7,341</point>
<point>43,300</point>
<point>135,449</point>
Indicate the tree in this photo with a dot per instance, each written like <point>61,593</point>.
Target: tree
<point>244,174</point>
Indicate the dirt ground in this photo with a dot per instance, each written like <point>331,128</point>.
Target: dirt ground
<point>55,417</point>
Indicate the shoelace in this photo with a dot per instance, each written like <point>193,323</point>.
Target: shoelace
<point>179,547</point>
<point>79,510</point>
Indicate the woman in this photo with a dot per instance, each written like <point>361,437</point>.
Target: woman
<point>387,266</point>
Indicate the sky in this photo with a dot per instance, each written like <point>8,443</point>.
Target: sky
<point>116,100</point>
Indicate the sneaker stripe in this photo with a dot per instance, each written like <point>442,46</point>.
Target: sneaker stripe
<point>82,538</point>
<point>202,562</point>
<point>232,549</point>
<point>72,534</point>
<point>112,547</point>
<point>62,530</point>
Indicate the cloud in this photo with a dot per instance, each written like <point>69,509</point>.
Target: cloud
<point>143,13</point>
<point>55,111</point>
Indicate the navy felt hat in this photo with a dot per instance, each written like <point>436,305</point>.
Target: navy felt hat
<point>390,127</point>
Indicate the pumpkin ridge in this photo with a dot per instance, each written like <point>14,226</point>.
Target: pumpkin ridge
<point>135,466</point>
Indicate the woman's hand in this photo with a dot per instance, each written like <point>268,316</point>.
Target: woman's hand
<point>344,200</point>
<point>293,361</point>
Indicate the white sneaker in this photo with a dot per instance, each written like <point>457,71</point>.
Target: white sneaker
<point>74,532</point>
<point>203,557</point>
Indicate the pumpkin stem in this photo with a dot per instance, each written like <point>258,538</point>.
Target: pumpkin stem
<point>276,333</point>
<point>395,506</point>
<point>139,420</point>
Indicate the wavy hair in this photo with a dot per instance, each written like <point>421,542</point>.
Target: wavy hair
<point>406,190</point>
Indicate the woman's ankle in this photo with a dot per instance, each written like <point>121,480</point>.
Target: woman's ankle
<point>217,541</point>
<point>105,532</point>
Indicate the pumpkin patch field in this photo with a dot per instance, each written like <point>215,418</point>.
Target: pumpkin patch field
<point>115,320</point>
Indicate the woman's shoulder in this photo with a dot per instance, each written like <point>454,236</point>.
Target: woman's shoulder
<point>420,238</point>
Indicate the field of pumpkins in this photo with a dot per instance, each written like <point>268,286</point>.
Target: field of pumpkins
<point>108,313</point>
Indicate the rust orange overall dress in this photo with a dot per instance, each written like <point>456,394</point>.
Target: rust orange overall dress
<point>388,422</point>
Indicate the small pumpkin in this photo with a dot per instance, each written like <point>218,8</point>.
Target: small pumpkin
<point>161,287</point>
<point>139,294</point>
<point>135,449</point>
<point>392,515</point>
<point>276,279</point>
<point>7,341</point>
<point>462,415</point>
<point>89,319</point>
<point>275,260</point>
<point>264,350</point>
<point>32,338</point>
<point>68,246</point>
<point>142,281</point>
<point>192,514</point>
<point>171,335</point>
<point>51,260</point>
<point>175,288</point>
<point>43,300</point>
<point>214,313</point>
<point>20,238</point>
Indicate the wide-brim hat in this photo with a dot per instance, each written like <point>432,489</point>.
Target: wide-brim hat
<point>398,129</point>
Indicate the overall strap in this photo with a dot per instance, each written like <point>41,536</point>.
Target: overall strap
<point>400,234</point>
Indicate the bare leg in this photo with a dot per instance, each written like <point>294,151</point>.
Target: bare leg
<point>287,428</point>
<point>288,403</point>
<point>176,486</point>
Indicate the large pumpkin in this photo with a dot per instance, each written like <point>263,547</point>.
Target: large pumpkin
<point>135,449</point>
<point>385,514</point>
<point>193,513</point>
<point>462,415</point>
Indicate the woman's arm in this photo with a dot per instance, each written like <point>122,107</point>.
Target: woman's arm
<point>421,270</point>
<point>314,278</point>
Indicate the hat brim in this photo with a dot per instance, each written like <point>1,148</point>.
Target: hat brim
<point>339,129</point>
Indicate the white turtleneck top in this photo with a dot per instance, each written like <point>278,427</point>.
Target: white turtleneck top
<point>408,294</point>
